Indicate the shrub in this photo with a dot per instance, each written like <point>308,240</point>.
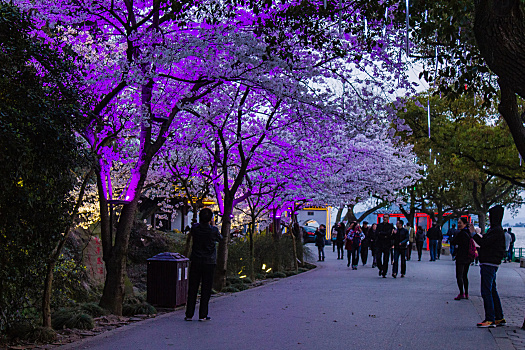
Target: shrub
<point>142,308</point>
<point>230,289</point>
<point>240,286</point>
<point>42,335</point>
<point>276,275</point>
<point>93,309</point>
<point>290,273</point>
<point>246,280</point>
<point>260,276</point>
<point>72,318</point>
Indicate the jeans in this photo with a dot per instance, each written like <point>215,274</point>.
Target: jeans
<point>383,260</point>
<point>321,252</point>
<point>340,249</point>
<point>462,277</point>
<point>333,245</point>
<point>355,255</point>
<point>403,254</point>
<point>511,248</point>
<point>409,250</point>
<point>453,250</point>
<point>419,246</point>
<point>439,246</point>
<point>433,249</point>
<point>489,293</point>
<point>199,272</point>
<point>364,253</point>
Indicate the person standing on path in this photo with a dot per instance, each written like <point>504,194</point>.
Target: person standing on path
<point>401,237</point>
<point>372,233</point>
<point>511,248</point>
<point>203,260</point>
<point>340,240</point>
<point>508,239</point>
<point>420,239</point>
<point>434,235</point>
<point>333,236</point>
<point>411,240</point>
<point>491,251</point>
<point>461,239</point>
<point>365,244</point>
<point>320,236</point>
<point>383,244</point>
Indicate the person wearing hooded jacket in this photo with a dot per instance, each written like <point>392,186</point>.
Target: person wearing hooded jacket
<point>203,260</point>
<point>491,251</point>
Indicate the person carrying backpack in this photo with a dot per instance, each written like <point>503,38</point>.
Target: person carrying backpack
<point>465,254</point>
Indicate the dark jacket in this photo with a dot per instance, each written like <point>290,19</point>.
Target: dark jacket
<point>461,239</point>
<point>401,238</point>
<point>434,233</point>
<point>420,236</point>
<point>204,249</point>
<point>384,234</point>
<point>320,235</point>
<point>340,234</point>
<point>492,244</point>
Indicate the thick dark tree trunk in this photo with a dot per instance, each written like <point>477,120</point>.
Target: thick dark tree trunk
<point>222,253</point>
<point>500,34</point>
<point>252,250</point>
<point>277,258</point>
<point>113,294</point>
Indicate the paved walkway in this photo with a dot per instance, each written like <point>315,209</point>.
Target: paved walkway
<point>333,307</point>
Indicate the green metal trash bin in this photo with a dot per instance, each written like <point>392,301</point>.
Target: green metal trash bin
<point>168,280</point>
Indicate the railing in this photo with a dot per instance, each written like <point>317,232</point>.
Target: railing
<point>517,253</point>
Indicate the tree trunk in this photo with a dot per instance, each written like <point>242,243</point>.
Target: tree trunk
<point>222,253</point>
<point>252,251</point>
<point>500,34</point>
<point>277,258</point>
<point>482,221</point>
<point>339,214</point>
<point>46,297</point>
<point>295,264</point>
<point>53,258</point>
<point>113,294</point>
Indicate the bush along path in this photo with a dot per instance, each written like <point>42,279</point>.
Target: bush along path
<point>89,319</point>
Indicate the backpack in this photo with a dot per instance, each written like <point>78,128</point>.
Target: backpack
<point>356,240</point>
<point>472,253</point>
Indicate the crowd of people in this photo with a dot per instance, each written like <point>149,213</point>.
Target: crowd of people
<point>391,243</point>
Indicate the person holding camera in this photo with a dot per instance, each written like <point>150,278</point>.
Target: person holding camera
<point>491,252</point>
<point>203,260</point>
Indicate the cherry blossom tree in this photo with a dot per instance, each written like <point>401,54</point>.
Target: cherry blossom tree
<point>150,67</point>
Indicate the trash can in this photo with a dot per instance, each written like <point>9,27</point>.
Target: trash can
<point>167,280</point>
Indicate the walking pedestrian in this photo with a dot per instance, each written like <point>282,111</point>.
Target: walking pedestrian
<point>401,237</point>
<point>420,239</point>
<point>356,236</point>
<point>462,240</point>
<point>372,233</point>
<point>340,240</point>
<point>491,251</point>
<point>365,244</point>
<point>348,242</point>
<point>320,236</point>
<point>203,260</point>
<point>383,244</point>
<point>511,247</point>
<point>411,240</point>
<point>434,235</point>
